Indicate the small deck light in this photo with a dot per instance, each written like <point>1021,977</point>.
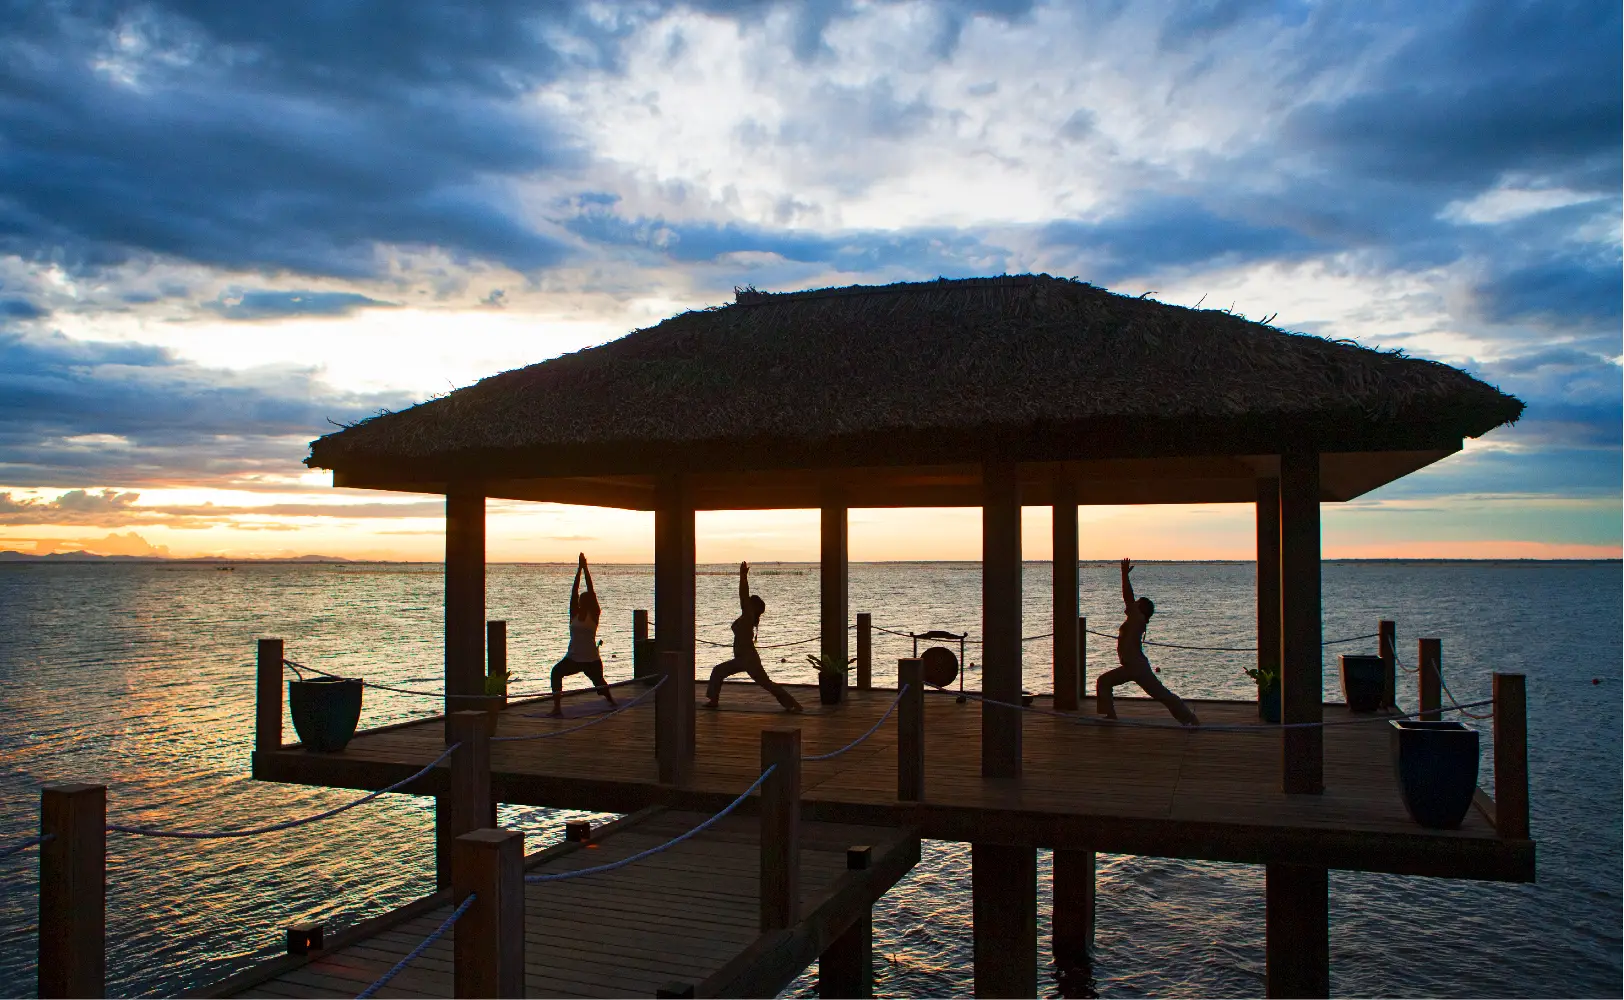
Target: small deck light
<point>304,938</point>
<point>858,857</point>
<point>578,831</point>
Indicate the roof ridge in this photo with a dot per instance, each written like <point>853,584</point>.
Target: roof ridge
<point>749,295</point>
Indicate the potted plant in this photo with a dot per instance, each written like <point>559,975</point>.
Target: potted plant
<point>496,689</point>
<point>831,679</point>
<point>1363,678</point>
<point>1268,693</point>
<point>325,711</point>
<point>1436,767</point>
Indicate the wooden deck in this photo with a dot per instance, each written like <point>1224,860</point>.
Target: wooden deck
<point>1121,789</point>
<point>689,915</point>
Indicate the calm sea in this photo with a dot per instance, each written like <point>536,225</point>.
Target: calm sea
<point>140,676</point>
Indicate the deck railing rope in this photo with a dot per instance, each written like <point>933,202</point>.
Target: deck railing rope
<point>23,845</point>
<point>871,731</point>
<point>1148,642</point>
<point>441,694</point>
<point>585,725</point>
<point>640,855</point>
<point>422,946</point>
<point>146,831</point>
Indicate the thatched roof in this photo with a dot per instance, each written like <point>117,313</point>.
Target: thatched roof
<point>1029,368</point>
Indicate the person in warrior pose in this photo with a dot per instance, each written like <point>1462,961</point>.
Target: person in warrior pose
<point>745,658</point>
<point>583,656</point>
<point>1135,665</point>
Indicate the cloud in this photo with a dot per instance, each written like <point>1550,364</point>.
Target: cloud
<point>260,304</point>
<point>20,309</point>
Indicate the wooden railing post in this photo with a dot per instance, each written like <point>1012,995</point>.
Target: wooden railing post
<point>470,772</point>
<point>488,946</point>
<point>1082,659</point>
<point>645,650</point>
<point>911,731</point>
<point>673,714</point>
<point>73,890</point>
<point>1430,662</point>
<point>268,697</point>
<point>865,651</point>
<point>496,653</point>
<point>1511,756</point>
<point>1387,648</point>
<point>780,829</point>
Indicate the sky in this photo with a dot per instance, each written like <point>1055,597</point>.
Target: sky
<point>225,228</point>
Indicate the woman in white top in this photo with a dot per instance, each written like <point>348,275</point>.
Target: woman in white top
<point>583,656</point>
<point>745,658</point>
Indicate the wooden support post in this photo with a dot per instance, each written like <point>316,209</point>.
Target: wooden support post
<point>1082,657</point>
<point>1066,658</point>
<point>1511,756</point>
<point>674,577</point>
<point>1073,907</point>
<point>1297,935</point>
<point>865,651</point>
<point>1430,663</point>
<point>1301,655</point>
<point>673,715</point>
<point>488,946</point>
<point>1004,912</point>
<point>495,654</point>
<point>464,600</point>
<point>1000,620</point>
<point>832,582</point>
<point>645,653</point>
<point>911,731</point>
<point>846,967</point>
<point>268,696</point>
<point>467,804</point>
<point>780,829</point>
<point>1387,648</point>
<point>1268,577</point>
<point>73,891</point>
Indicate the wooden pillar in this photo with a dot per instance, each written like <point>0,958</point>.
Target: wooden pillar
<point>1268,575</point>
<point>1301,655</point>
<point>1004,904</point>
<point>1082,656</point>
<point>1066,682</point>
<point>488,943</point>
<point>268,696</point>
<point>1297,947</point>
<point>1387,648</point>
<point>496,654</point>
<point>1073,906</point>
<point>466,805</point>
<point>846,967</point>
<point>673,718</point>
<point>1510,756</point>
<point>832,580</point>
<point>911,731</point>
<point>1000,620</point>
<point>464,599</point>
<point>1430,663</point>
<point>674,575</point>
<point>73,891</point>
<point>781,829</point>
<point>865,650</point>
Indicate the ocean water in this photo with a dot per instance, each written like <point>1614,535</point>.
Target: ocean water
<point>140,676</point>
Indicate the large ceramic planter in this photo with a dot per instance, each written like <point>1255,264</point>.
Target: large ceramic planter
<point>1436,767</point>
<point>325,711</point>
<point>831,688</point>
<point>1363,678</point>
<point>1268,704</point>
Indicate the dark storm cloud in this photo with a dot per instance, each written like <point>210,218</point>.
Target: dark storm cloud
<point>255,305</point>
<point>1174,233</point>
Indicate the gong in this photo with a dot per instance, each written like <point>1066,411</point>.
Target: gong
<point>939,665</point>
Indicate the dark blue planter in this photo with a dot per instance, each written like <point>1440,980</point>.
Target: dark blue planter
<point>325,711</point>
<point>1363,678</point>
<point>1436,767</point>
<point>831,688</point>
<point>1268,704</point>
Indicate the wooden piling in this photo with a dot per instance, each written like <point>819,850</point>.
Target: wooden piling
<point>1000,620</point>
<point>645,655</point>
<point>780,829</point>
<point>496,659</point>
<point>1387,648</point>
<point>833,582</point>
<point>1297,933</point>
<point>1429,660</point>
<point>1511,756</point>
<point>268,696</point>
<point>1003,890</point>
<point>846,967</point>
<point>865,651</point>
<point>672,718</point>
<point>674,576</point>
<point>488,946</point>
<point>1073,915</point>
<point>911,730</point>
<point>73,891</point>
<point>1301,653</point>
<point>1064,566</point>
<point>1268,578</point>
<point>470,772</point>
<point>464,599</point>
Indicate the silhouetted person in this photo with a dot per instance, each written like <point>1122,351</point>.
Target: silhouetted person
<point>583,656</point>
<point>745,658</point>
<point>1135,665</point>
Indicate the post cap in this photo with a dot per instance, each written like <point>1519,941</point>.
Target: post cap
<point>858,857</point>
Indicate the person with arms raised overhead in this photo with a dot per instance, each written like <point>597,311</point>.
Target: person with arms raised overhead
<point>1135,664</point>
<point>745,658</point>
<point>583,656</point>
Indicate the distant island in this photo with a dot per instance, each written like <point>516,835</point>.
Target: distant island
<point>12,555</point>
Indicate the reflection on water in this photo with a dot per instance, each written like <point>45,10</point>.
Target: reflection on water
<point>141,677</point>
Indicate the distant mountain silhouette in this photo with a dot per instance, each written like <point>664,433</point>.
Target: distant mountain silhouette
<point>11,555</point>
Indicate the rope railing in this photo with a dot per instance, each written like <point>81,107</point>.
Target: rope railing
<point>774,645</point>
<point>871,731</point>
<point>422,946</point>
<point>441,694</point>
<point>1228,649</point>
<point>146,831</point>
<point>23,845</point>
<point>640,855</point>
<point>585,725</point>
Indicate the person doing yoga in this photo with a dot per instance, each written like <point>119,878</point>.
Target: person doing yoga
<point>583,656</point>
<point>1135,665</point>
<point>745,658</point>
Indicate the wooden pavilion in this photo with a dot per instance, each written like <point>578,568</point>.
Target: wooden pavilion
<point>989,392</point>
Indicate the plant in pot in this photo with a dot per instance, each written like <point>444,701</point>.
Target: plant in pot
<point>831,678</point>
<point>1268,693</point>
<point>325,711</point>
<point>496,689</point>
